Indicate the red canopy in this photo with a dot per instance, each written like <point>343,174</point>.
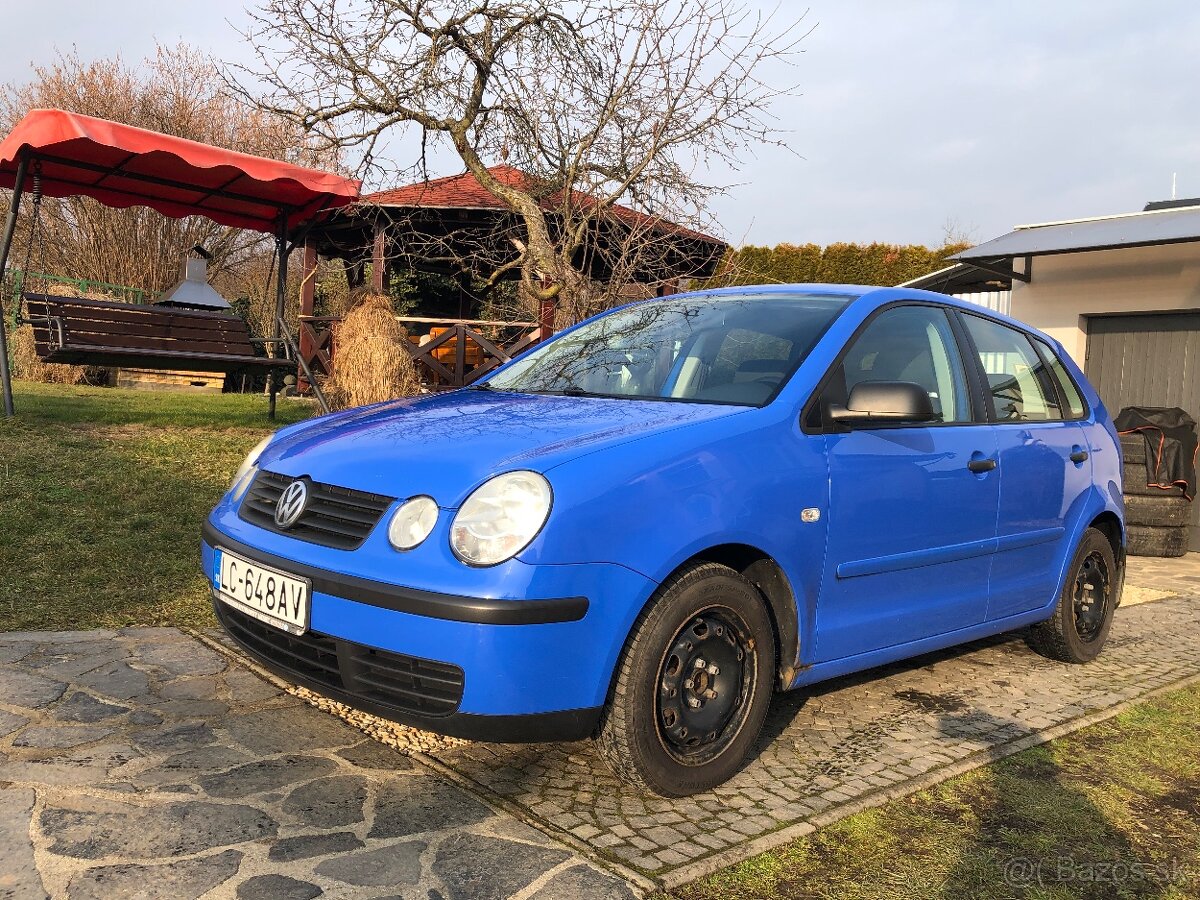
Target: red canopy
<point>123,166</point>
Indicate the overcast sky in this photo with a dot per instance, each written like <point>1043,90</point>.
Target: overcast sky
<point>913,116</point>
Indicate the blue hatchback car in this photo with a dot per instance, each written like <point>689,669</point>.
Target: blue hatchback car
<point>641,529</point>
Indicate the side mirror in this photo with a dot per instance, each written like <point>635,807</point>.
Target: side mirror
<point>884,403</point>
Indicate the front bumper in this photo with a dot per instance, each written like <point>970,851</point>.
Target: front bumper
<point>531,669</point>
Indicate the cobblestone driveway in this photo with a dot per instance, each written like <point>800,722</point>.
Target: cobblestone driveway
<point>845,744</point>
<point>143,760</point>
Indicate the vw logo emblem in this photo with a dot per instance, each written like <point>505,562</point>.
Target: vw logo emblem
<point>291,504</point>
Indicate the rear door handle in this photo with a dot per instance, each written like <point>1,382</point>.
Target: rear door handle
<point>1079,456</point>
<point>981,465</point>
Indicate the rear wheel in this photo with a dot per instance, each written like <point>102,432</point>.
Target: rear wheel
<point>693,684</point>
<point>1083,617</point>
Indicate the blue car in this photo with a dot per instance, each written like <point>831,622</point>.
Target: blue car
<point>641,529</point>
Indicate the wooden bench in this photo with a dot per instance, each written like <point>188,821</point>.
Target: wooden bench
<point>99,333</point>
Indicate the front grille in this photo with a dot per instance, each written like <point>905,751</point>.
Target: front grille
<point>386,679</point>
<point>335,516</point>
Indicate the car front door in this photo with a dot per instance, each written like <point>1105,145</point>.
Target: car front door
<point>1044,465</point>
<point>912,511</point>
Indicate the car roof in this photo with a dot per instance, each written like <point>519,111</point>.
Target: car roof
<point>847,290</point>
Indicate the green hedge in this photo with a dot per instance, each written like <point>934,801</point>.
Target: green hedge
<point>878,264</point>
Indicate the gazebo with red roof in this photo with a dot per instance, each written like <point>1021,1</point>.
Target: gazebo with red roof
<point>433,225</point>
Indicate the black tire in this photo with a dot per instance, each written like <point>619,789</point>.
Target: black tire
<point>1083,615</point>
<point>1146,540</point>
<point>1163,512</point>
<point>1133,449</point>
<point>1134,478</point>
<point>706,617</point>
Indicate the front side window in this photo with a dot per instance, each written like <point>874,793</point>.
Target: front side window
<point>1018,383</point>
<point>722,348</point>
<point>906,343</point>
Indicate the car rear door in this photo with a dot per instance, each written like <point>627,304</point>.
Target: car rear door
<point>1044,465</point>
<point>911,526</point>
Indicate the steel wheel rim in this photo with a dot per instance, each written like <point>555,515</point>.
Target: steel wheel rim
<point>1090,596</point>
<point>700,711</point>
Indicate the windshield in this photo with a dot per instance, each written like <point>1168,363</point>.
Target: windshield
<point>722,348</point>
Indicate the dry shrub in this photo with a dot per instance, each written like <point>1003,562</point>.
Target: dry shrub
<point>27,367</point>
<point>371,363</point>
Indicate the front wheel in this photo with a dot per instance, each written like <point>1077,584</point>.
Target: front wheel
<point>1083,617</point>
<point>693,685</point>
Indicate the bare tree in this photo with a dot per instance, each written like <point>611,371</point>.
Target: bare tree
<point>598,101</point>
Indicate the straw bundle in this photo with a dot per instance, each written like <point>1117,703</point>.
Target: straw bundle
<point>371,363</point>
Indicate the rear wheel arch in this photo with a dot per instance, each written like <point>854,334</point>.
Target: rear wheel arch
<point>1110,526</point>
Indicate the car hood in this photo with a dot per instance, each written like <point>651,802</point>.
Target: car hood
<point>445,444</point>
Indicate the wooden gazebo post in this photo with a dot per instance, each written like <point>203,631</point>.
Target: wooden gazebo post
<point>379,259</point>
<point>308,299</point>
<point>546,310</point>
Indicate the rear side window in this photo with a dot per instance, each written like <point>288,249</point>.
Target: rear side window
<point>1076,408</point>
<point>1019,384</point>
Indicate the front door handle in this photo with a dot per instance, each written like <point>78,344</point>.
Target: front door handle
<point>981,465</point>
<point>1079,455</point>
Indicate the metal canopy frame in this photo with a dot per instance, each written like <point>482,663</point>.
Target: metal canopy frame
<point>1003,266</point>
<point>119,169</point>
<point>281,335</point>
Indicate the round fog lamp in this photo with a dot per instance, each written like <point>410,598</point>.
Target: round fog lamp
<point>412,522</point>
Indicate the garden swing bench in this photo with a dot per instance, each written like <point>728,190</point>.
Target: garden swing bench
<point>55,153</point>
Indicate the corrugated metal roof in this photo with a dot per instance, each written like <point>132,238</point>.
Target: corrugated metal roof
<point>1140,229</point>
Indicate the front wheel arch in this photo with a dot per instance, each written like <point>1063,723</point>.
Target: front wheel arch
<point>761,570</point>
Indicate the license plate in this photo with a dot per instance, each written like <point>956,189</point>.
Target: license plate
<point>266,594</point>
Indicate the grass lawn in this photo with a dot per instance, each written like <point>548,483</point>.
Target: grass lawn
<point>1109,812</point>
<point>102,494</point>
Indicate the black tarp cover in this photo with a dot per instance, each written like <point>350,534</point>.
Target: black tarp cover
<point>1170,436</point>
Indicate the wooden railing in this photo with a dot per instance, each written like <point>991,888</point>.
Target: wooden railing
<point>448,353</point>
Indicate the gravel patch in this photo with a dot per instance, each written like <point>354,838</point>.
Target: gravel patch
<point>399,737</point>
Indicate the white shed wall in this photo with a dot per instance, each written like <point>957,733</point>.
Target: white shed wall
<point>1068,287</point>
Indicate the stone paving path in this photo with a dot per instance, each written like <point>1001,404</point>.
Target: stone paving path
<point>142,763</point>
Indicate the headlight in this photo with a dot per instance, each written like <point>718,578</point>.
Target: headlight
<point>500,518</point>
<point>412,522</point>
<point>250,460</point>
